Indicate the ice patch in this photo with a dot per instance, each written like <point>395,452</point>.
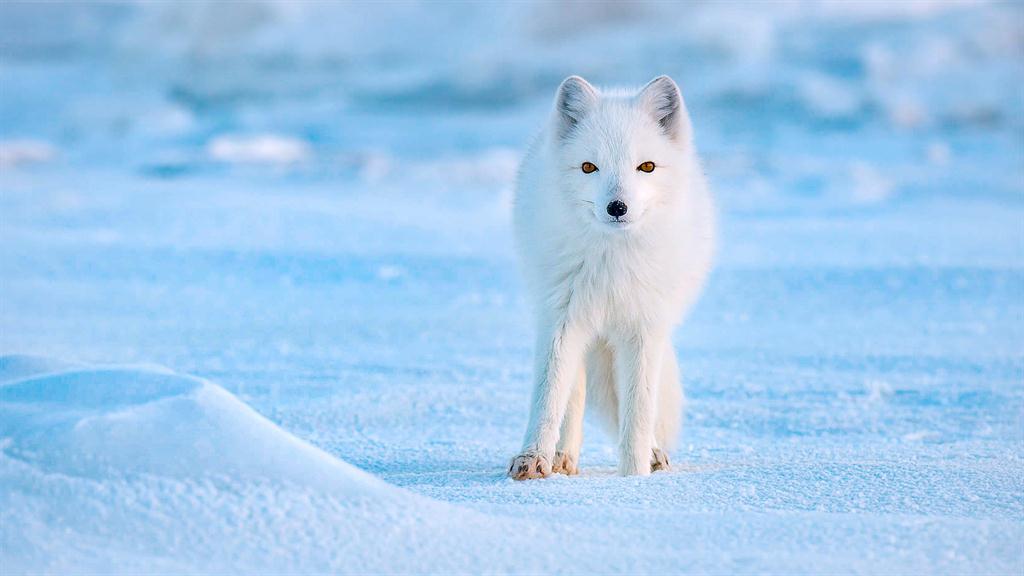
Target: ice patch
<point>869,186</point>
<point>18,152</point>
<point>939,153</point>
<point>829,98</point>
<point>882,11</point>
<point>390,272</point>
<point>878,391</point>
<point>263,148</point>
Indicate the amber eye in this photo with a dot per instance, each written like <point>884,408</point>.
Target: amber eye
<point>588,167</point>
<point>646,167</point>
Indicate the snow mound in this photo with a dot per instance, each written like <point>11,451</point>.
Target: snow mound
<point>136,468</point>
<point>98,422</point>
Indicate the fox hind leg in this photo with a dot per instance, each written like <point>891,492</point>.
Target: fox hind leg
<point>669,411</point>
<point>570,439</point>
<point>602,397</point>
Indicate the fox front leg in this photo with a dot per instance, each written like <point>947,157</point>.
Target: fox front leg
<point>558,358</point>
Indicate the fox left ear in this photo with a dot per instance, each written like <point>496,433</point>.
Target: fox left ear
<point>663,100</point>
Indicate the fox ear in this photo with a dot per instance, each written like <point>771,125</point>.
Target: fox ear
<point>575,98</point>
<point>662,99</point>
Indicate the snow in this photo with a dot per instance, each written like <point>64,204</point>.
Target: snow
<point>136,468</point>
<point>260,311</point>
<point>97,422</point>
<point>263,148</point>
<point>14,152</point>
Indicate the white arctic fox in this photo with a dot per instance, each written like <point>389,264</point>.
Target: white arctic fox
<point>614,225</point>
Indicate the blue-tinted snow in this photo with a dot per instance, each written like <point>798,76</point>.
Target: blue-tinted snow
<point>308,205</point>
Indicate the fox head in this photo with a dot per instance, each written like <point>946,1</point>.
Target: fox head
<point>620,154</point>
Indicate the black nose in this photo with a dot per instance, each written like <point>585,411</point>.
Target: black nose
<point>616,208</point>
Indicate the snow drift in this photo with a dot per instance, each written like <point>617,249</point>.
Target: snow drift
<point>102,422</point>
<point>122,469</point>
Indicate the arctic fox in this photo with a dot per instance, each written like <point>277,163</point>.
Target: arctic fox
<point>614,226</point>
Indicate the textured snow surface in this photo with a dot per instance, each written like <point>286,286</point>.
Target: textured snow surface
<point>259,307</point>
<point>129,469</point>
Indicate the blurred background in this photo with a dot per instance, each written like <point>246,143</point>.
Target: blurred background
<point>297,194</point>
<point>308,203</point>
<point>798,105</point>
<point>226,186</point>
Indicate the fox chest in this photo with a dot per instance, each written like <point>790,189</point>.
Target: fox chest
<point>604,292</point>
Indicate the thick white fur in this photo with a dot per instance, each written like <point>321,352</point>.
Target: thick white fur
<point>608,294</point>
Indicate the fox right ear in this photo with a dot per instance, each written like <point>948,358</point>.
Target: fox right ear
<point>575,98</point>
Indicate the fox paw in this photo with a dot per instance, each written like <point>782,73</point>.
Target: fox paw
<point>529,466</point>
<point>659,460</point>
<point>565,464</point>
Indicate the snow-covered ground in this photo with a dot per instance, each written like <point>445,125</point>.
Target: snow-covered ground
<point>259,308</point>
